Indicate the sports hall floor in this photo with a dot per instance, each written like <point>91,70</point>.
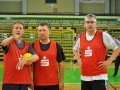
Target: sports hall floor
<point>72,77</point>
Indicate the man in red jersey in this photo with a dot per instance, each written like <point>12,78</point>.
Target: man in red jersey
<point>17,75</point>
<point>51,56</point>
<point>92,44</point>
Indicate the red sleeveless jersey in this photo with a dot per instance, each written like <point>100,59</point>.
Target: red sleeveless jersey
<point>45,70</point>
<point>11,74</point>
<point>92,52</point>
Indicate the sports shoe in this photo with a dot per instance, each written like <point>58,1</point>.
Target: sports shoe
<point>114,75</point>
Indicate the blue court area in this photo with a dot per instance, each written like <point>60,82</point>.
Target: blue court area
<point>72,75</point>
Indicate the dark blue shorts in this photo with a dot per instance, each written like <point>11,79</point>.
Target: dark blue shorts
<point>14,87</point>
<point>51,87</point>
<point>94,85</point>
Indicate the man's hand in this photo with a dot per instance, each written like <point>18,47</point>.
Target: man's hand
<point>61,85</point>
<point>17,37</point>
<point>21,63</point>
<point>31,86</point>
<point>79,62</point>
<point>103,65</point>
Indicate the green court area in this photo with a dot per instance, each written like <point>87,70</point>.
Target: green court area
<point>72,75</point>
<point>1,73</point>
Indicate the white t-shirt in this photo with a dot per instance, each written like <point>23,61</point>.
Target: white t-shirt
<point>109,42</point>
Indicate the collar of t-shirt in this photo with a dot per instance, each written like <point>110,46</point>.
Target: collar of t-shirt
<point>44,47</point>
<point>20,45</point>
<point>88,37</point>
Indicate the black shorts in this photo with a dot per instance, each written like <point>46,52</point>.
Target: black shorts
<point>51,87</point>
<point>94,85</point>
<point>14,87</point>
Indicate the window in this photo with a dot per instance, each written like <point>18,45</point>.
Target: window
<point>50,1</point>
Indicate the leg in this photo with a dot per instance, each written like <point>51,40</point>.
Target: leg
<point>23,87</point>
<point>53,87</point>
<point>10,87</point>
<point>86,85</point>
<point>40,88</point>
<point>117,61</point>
<point>99,85</point>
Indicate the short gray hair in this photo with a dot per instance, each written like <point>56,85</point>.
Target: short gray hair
<point>90,16</point>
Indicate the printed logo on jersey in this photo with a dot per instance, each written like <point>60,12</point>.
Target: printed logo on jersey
<point>88,52</point>
<point>44,61</point>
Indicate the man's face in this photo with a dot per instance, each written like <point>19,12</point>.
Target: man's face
<point>90,24</point>
<point>18,29</point>
<point>43,32</point>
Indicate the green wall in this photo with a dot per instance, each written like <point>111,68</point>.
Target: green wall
<point>62,6</point>
<point>97,8</point>
<point>118,5</point>
<point>39,6</point>
<point>113,6</point>
<point>12,6</point>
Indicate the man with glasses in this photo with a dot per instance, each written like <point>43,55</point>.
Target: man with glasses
<point>92,45</point>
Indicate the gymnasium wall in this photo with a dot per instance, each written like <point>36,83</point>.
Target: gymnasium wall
<point>62,6</point>
<point>10,6</point>
<point>118,5</point>
<point>112,6</point>
<point>97,8</point>
<point>39,6</point>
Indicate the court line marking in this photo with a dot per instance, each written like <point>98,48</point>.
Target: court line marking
<point>112,86</point>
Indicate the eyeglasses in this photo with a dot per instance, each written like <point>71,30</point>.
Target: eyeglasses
<point>90,22</point>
